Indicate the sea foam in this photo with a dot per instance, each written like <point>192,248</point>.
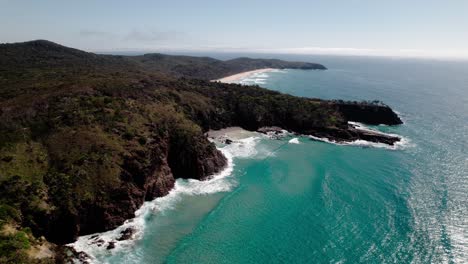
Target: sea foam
<point>94,245</point>
<point>402,144</point>
<point>294,141</point>
<point>259,77</point>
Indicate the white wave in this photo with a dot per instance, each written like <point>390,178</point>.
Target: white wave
<point>242,148</point>
<point>277,134</point>
<point>94,245</point>
<point>359,142</point>
<point>361,126</point>
<point>261,75</point>
<point>257,78</point>
<point>279,70</point>
<point>404,142</point>
<point>401,144</point>
<point>294,141</point>
<point>247,81</point>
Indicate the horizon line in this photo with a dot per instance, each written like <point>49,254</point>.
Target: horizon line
<point>457,55</point>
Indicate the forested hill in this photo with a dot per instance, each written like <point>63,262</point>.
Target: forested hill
<point>85,139</point>
<point>46,53</point>
<point>206,68</point>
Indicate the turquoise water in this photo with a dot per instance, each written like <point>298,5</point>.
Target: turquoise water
<point>315,202</point>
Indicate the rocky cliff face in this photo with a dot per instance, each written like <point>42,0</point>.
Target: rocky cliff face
<point>369,113</point>
<point>145,175</point>
<point>256,108</point>
<point>85,139</point>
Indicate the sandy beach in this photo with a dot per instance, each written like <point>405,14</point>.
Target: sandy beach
<point>237,77</point>
<point>233,133</point>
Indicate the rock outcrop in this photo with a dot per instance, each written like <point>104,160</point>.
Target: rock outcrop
<point>372,113</point>
<point>145,175</point>
<point>351,134</point>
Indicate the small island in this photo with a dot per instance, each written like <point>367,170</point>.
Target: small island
<point>87,138</point>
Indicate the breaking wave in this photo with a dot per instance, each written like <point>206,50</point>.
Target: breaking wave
<point>403,143</point>
<point>294,141</point>
<point>95,245</point>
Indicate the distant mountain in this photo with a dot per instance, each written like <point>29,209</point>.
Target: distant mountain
<point>44,53</point>
<point>85,139</point>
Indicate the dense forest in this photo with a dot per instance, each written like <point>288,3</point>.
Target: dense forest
<point>85,139</point>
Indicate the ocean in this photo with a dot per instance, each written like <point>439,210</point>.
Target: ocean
<point>297,200</point>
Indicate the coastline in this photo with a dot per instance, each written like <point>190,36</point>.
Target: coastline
<point>232,133</point>
<point>89,248</point>
<point>239,76</point>
<point>232,142</point>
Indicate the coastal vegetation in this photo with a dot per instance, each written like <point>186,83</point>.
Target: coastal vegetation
<point>85,139</point>
<point>206,68</point>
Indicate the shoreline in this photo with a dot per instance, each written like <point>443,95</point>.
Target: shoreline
<point>232,133</point>
<point>87,247</point>
<point>239,76</point>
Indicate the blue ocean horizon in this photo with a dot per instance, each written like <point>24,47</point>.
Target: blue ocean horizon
<point>316,202</point>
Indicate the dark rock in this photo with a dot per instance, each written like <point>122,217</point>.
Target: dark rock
<point>227,141</point>
<point>270,129</point>
<point>196,159</point>
<point>126,234</point>
<point>98,242</point>
<point>351,134</point>
<point>369,113</point>
<point>111,245</point>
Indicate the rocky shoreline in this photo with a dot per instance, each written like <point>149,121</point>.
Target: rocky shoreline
<point>351,134</point>
<point>92,137</point>
<point>215,162</point>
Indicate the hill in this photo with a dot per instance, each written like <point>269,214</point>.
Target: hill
<point>206,68</point>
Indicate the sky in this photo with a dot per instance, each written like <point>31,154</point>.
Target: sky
<point>411,28</point>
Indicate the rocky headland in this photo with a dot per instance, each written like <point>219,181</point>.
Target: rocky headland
<point>87,138</point>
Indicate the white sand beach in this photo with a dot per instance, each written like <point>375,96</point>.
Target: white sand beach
<point>237,77</point>
<point>233,133</point>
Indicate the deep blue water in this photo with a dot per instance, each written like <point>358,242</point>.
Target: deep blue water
<point>316,202</point>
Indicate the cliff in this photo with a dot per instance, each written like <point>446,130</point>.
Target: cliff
<point>373,113</point>
<point>87,138</point>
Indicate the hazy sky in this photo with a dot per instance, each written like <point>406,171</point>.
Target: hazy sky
<point>365,27</point>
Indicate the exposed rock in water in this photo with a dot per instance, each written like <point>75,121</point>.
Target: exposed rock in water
<point>352,134</point>
<point>98,242</point>
<point>270,129</point>
<point>273,132</point>
<point>111,245</point>
<point>126,234</point>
